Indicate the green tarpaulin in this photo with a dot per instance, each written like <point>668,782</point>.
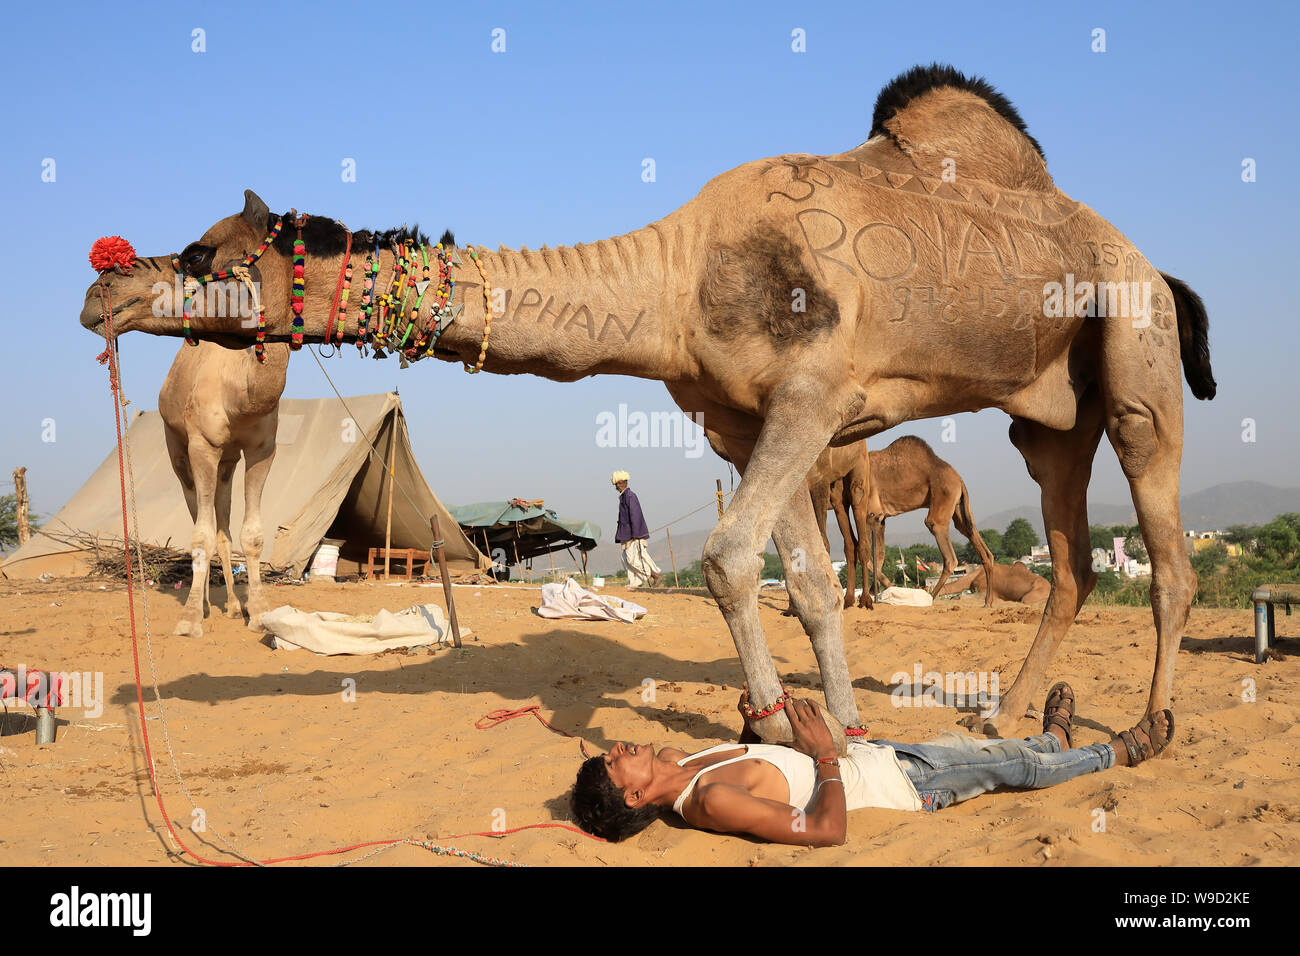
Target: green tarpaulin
<point>516,532</point>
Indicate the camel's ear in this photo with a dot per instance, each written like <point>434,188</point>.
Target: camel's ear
<point>255,211</point>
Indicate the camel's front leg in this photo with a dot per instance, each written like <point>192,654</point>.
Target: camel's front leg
<point>257,466</point>
<point>203,459</point>
<point>799,424</point>
<point>814,592</point>
<point>225,479</point>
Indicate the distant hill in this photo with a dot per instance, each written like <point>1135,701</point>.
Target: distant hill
<point>1214,508</point>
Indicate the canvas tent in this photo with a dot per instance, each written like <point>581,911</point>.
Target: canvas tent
<point>326,482</point>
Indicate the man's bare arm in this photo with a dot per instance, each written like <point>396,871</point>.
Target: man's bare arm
<point>726,808</point>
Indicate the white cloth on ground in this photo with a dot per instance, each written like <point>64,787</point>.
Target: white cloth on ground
<point>906,597</point>
<point>636,559</point>
<point>330,632</point>
<point>571,600</point>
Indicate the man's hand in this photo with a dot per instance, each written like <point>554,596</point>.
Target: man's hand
<point>811,736</point>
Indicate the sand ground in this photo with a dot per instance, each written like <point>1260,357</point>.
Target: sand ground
<point>281,764</point>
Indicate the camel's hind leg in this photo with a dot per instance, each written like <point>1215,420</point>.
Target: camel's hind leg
<point>1061,463</point>
<point>257,467</point>
<point>937,521</point>
<point>203,459</point>
<point>1149,447</point>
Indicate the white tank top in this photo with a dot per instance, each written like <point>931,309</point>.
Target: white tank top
<point>871,774</point>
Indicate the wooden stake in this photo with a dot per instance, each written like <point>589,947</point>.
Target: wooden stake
<point>388,527</point>
<point>446,580</point>
<point>676,583</point>
<point>720,499</point>
<point>20,505</point>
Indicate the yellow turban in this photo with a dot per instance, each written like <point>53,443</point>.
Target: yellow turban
<point>618,476</point>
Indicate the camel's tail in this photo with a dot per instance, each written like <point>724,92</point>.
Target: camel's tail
<point>1193,337</point>
<point>965,521</point>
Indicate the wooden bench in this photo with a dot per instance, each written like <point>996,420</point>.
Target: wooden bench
<point>375,559</point>
<point>1265,599</point>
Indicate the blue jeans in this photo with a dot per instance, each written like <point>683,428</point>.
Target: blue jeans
<point>955,767</point>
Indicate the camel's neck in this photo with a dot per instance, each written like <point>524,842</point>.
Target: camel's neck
<point>563,313</point>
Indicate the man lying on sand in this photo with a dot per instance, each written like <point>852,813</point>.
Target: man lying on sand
<point>758,789</point>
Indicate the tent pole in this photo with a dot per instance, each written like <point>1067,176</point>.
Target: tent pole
<point>551,555</point>
<point>446,581</point>
<point>586,582</point>
<point>676,583</point>
<point>388,526</point>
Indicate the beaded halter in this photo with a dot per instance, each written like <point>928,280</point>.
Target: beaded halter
<point>384,321</point>
<point>232,273</point>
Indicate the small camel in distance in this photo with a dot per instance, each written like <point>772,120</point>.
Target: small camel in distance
<point>906,476</point>
<point>1011,582</point>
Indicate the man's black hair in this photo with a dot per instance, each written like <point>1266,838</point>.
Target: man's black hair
<point>599,806</point>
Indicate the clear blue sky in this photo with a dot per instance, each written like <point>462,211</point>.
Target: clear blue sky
<point>155,142</point>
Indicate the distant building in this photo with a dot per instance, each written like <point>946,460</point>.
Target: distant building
<point>1040,554</point>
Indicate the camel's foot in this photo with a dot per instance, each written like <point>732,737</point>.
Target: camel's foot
<point>997,725</point>
<point>848,601</point>
<point>190,624</point>
<point>234,610</point>
<point>866,602</point>
<point>256,609</point>
<point>788,612</point>
<point>776,729</point>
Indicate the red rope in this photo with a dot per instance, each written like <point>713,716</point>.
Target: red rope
<point>501,716</point>
<point>338,289</point>
<point>110,355</point>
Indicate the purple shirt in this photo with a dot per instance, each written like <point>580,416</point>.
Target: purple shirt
<point>631,523</point>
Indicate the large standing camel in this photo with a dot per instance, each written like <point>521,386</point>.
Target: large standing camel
<point>906,476</point>
<point>218,404</point>
<point>804,301</point>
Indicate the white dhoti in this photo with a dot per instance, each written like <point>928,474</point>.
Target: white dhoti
<point>640,566</point>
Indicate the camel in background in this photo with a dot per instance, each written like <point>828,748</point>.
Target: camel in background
<point>803,301</point>
<point>218,404</point>
<point>840,481</point>
<point>906,476</point>
<point>1011,582</point>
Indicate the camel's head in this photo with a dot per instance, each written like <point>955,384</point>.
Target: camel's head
<point>149,297</point>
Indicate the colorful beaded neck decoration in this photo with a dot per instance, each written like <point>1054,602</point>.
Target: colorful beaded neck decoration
<point>260,348</point>
<point>487,315</point>
<point>367,298</point>
<point>299,281</point>
<point>442,306</point>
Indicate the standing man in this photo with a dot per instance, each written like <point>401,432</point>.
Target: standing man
<point>633,534</point>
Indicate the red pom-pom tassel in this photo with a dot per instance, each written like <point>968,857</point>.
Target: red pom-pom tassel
<point>110,252</point>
